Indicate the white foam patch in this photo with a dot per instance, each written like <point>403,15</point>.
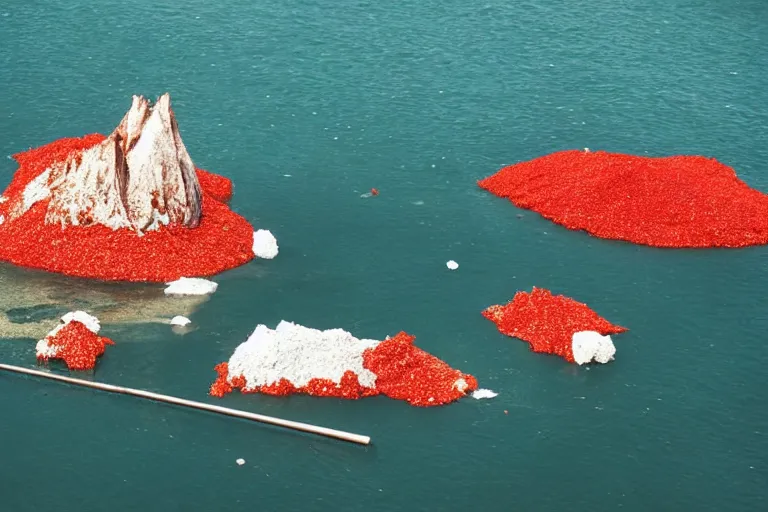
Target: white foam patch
<point>46,350</point>
<point>300,354</point>
<point>180,321</point>
<point>191,286</point>
<point>591,346</point>
<point>480,394</point>
<point>264,244</point>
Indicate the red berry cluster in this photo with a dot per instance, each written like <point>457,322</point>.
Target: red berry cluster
<point>77,346</point>
<point>548,322</point>
<point>677,201</point>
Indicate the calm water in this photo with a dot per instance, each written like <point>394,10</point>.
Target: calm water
<point>418,99</point>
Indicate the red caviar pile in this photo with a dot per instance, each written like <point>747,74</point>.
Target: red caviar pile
<point>222,241</point>
<point>403,372</point>
<point>77,346</point>
<point>548,322</point>
<point>676,201</point>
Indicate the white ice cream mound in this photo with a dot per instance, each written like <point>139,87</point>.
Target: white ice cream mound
<point>299,354</point>
<point>180,321</point>
<point>591,346</point>
<point>191,286</point>
<point>264,244</point>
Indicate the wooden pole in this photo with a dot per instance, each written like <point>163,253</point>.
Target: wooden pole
<point>295,425</point>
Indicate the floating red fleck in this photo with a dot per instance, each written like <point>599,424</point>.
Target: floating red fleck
<point>374,191</point>
<point>403,372</point>
<point>677,201</point>
<point>77,346</point>
<point>223,239</point>
<point>548,322</point>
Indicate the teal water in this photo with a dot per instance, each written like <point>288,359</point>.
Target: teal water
<point>418,99</point>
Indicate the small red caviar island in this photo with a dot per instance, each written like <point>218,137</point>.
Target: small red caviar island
<point>676,201</point>
<point>75,341</point>
<point>294,359</point>
<point>127,207</point>
<point>555,324</point>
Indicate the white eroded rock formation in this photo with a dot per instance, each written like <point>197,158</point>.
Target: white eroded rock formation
<point>141,176</point>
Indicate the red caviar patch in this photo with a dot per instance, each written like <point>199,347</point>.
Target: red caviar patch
<point>223,240</point>
<point>403,372</point>
<point>548,322</point>
<point>77,346</point>
<point>676,201</point>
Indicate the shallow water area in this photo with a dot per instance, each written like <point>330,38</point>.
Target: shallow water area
<point>418,100</point>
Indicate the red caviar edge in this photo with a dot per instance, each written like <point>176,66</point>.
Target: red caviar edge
<point>548,322</point>
<point>222,241</point>
<point>403,372</point>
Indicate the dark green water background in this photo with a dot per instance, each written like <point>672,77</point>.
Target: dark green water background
<point>418,99</point>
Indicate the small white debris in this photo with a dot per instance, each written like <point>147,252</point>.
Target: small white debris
<point>181,321</point>
<point>452,265</point>
<point>240,462</point>
<point>483,393</point>
<point>191,286</point>
<point>264,244</point>
<point>2,219</point>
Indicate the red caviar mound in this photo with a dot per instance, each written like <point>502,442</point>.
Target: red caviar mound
<point>76,345</point>
<point>676,201</point>
<point>548,322</point>
<point>221,241</point>
<point>405,372</point>
<point>394,367</point>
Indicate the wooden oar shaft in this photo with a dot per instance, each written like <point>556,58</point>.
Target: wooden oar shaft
<point>295,425</point>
